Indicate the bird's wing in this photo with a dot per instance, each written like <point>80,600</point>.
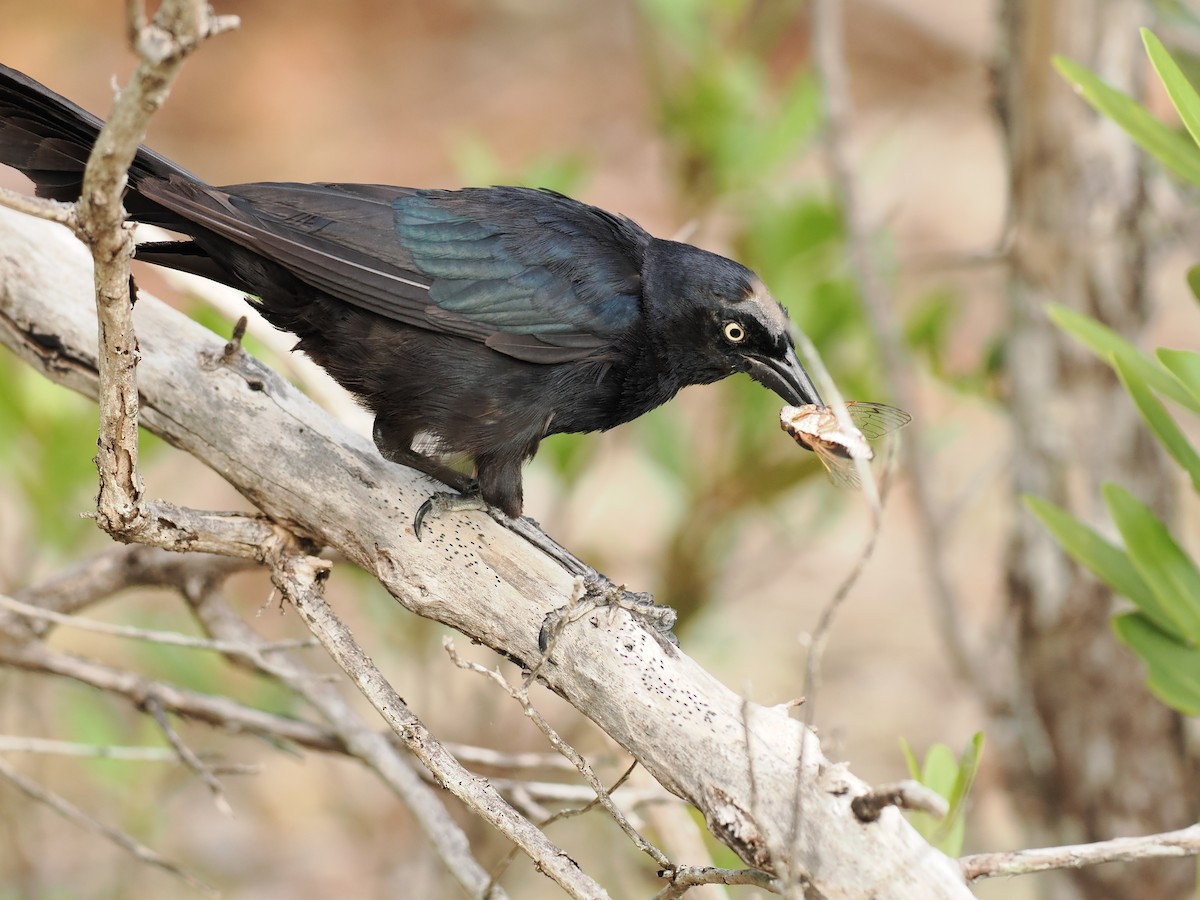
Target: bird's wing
<point>532,274</point>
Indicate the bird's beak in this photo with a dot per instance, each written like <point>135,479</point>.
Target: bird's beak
<point>786,377</point>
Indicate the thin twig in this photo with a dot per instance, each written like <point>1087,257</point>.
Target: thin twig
<point>171,638</point>
<point>162,46</point>
<point>215,710</point>
<point>73,813</point>
<point>543,823</point>
<point>188,756</point>
<point>907,794</point>
<point>521,695</point>
<point>820,635</point>
<point>118,568</point>
<point>595,801</point>
<point>1185,842</point>
<point>499,759</point>
<point>528,796</point>
<point>685,878</point>
<point>51,210</point>
<point>43,746</point>
<point>628,798</point>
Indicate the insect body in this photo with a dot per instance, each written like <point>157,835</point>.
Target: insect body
<point>817,428</point>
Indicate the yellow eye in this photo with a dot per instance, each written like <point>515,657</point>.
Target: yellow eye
<point>734,333</point>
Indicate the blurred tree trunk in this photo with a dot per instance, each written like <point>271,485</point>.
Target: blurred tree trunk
<point>1103,757</point>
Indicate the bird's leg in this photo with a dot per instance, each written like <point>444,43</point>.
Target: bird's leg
<point>395,446</point>
<point>532,532</point>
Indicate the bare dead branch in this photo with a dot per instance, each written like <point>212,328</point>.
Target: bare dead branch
<point>119,568</point>
<point>627,798</point>
<point>50,210</point>
<point>221,712</point>
<point>1184,842</point>
<point>685,878</point>
<point>907,794</point>
<point>73,813</point>
<point>547,820</point>
<point>13,744</point>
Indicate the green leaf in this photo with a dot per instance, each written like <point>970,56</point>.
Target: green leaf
<point>1160,422</point>
<point>1173,668</point>
<point>1106,343</point>
<point>952,779</point>
<point>940,769</point>
<point>1185,366</point>
<point>1193,280</point>
<point>938,774</point>
<point>1172,149</point>
<point>1180,90</point>
<point>1169,571</point>
<point>968,768</point>
<point>1109,562</point>
<point>910,758</point>
<point>951,833</point>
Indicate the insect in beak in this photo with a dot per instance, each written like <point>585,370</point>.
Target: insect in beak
<point>816,428</point>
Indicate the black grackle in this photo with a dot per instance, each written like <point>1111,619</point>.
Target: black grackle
<point>475,321</point>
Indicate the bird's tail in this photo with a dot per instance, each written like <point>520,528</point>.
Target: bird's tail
<point>48,138</point>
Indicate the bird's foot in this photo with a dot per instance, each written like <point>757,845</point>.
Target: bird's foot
<point>599,592</point>
<point>441,502</point>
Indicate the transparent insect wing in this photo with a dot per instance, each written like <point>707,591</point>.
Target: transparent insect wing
<point>842,471</point>
<point>875,420</point>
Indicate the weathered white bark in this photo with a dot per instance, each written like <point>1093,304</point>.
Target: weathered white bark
<point>302,468</point>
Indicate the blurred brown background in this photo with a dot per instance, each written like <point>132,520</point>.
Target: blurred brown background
<point>415,93</point>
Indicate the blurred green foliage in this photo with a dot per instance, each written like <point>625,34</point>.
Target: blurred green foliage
<point>733,122</point>
<point>47,444</point>
<point>479,165</point>
<point>1151,569</point>
<point>47,441</point>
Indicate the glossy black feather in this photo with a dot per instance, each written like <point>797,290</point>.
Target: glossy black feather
<point>475,321</point>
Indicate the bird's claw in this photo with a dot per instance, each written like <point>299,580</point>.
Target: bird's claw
<point>600,592</point>
<point>442,502</point>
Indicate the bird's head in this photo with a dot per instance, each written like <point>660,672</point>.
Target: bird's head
<point>724,317</point>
